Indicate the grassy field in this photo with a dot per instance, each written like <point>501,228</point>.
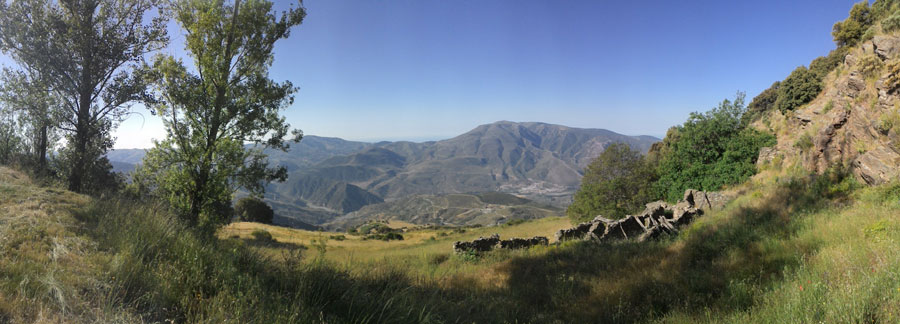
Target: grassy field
<point>789,250</point>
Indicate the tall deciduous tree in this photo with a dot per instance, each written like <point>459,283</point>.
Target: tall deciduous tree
<point>210,116</point>
<point>38,112</point>
<point>88,52</point>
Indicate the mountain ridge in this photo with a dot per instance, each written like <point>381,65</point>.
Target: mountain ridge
<point>330,177</point>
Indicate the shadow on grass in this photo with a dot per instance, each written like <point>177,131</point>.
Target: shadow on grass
<point>165,271</point>
<point>719,263</point>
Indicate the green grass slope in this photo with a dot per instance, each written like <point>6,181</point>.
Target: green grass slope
<point>787,250</point>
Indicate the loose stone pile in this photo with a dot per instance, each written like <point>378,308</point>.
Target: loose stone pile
<point>484,244</point>
<point>657,218</point>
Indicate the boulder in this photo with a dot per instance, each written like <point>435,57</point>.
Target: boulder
<point>628,227</point>
<point>886,46</point>
<point>576,233</point>
<point>766,155</point>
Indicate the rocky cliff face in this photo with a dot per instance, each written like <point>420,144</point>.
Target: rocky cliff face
<point>853,122</point>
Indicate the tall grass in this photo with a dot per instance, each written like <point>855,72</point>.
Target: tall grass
<point>806,249</point>
<point>165,271</point>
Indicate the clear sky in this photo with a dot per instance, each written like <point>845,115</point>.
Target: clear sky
<point>431,69</point>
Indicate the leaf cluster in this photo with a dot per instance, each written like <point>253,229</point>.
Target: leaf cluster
<point>616,183</point>
<point>710,150</point>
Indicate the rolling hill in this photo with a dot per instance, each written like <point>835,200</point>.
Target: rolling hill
<point>331,177</point>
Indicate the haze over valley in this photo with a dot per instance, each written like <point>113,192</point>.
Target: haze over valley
<point>331,177</point>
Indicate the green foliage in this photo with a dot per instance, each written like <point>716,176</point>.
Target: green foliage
<point>891,23</point>
<point>210,116</point>
<point>374,228</point>
<point>339,237</point>
<point>850,31</point>
<point>763,102</point>
<point>262,235</point>
<point>615,183</point>
<point>86,52</point>
<point>252,209</point>
<point>822,65</point>
<point>11,144</point>
<point>799,88</point>
<point>711,150</point>
<point>39,115</point>
<point>384,236</point>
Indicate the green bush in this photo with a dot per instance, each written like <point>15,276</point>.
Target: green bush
<point>851,30</point>
<point>891,23</point>
<point>799,88</point>
<point>251,209</point>
<point>373,227</point>
<point>615,183</point>
<point>763,102</point>
<point>384,237</point>
<point>823,65</point>
<point>339,237</point>
<point>262,235</point>
<point>709,151</point>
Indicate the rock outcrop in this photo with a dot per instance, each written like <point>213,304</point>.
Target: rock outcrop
<point>854,122</point>
<point>485,244</point>
<point>658,218</point>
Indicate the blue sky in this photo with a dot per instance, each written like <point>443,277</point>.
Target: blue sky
<point>432,69</point>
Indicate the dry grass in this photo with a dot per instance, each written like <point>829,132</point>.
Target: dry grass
<point>48,272</point>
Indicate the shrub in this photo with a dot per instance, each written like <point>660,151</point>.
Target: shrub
<point>823,65</point>
<point>385,237</point>
<point>339,237</point>
<point>869,65</point>
<point>709,151</point>
<point>251,209</point>
<point>615,183</point>
<point>262,235</point>
<point>763,102</point>
<point>851,30</point>
<point>891,23</point>
<point>799,88</point>
<point>373,227</point>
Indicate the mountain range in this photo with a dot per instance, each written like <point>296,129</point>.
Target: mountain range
<point>331,177</point>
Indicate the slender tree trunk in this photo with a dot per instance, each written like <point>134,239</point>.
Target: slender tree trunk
<point>42,149</point>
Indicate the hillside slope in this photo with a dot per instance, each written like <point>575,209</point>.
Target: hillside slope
<point>541,162</point>
<point>854,121</point>
<point>449,209</point>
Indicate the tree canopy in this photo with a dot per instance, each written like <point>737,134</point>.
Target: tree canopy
<point>616,183</point>
<point>88,53</point>
<point>212,115</point>
<point>709,151</point>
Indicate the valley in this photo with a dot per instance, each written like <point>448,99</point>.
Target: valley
<point>331,181</point>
